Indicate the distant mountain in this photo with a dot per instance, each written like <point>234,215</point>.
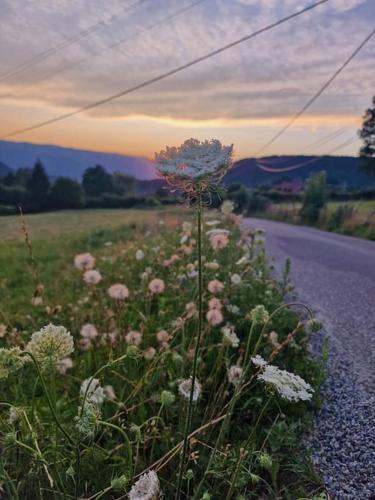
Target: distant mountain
<point>69,162</point>
<point>4,169</point>
<point>342,170</point>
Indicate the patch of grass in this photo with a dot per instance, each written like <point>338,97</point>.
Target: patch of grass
<point>247,439</point>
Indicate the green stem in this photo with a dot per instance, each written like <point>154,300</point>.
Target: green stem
<point>48,397</point>
<point>195,361</point>
<point>127,443</point>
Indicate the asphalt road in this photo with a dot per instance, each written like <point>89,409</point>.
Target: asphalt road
<point>335,276</point>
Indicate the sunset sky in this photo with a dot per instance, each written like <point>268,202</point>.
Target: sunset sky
<point>60,55</point>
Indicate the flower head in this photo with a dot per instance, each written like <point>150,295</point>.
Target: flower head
<point>227,207</point>
<point>234,374</point>
<point>215,286</point>
<point>259,361</point>
<point>133,338</point>
<point>236,279</point>
<point>156,286</point>
<point>139,254</point>
<point>50,345</point>
<point>92,277</point>
<point>64,365</point>
<point>118,292</point>
<point>219,241</point>
<point>149,353</point>
<point>146,488</point>
<point>229,336</point>
<point>214,317</point>
<point>88,331</point>
<point>94,392</point>
<point>84,261</point>
<point>184,389</point>
<point>194,167</point>
<point>259,315</point>
<point>289,386</point>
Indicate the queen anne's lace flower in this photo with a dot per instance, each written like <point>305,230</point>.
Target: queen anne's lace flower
<point>94,392</point>
<point>146,488</point>
<point>194,167</point>
<point>50,345</point>
<point>184,389</point>
<point>258,361</point>
<point>289,386</point>
<point>11,360</point>
<point>86,422</point>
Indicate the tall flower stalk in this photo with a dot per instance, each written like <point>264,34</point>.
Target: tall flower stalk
<point>195,170</point>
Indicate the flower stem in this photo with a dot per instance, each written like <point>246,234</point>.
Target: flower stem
<point>196,352</point>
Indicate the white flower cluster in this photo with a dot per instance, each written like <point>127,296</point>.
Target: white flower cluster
<point>184,389</point>
<point>229,336</point>
<point>195,160</point>
<point>94,392</point>
<point>50,345</point>
<point>289,386</point>
<point>146,488</point>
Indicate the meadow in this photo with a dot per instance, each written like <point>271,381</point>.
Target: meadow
<point>98,314</point>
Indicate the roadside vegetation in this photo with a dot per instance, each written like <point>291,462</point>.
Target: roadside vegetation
<point>97,408</point>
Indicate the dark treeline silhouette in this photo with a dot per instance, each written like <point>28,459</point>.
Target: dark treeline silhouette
<point>31,189</point>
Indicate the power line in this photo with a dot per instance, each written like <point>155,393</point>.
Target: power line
<point>262,166</point>
<point>113,46</point>
<point>318,94</point>
<point>167,74</point>
<point>62,45</point>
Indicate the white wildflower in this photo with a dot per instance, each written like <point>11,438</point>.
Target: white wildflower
<point>194,160</point>
<point>232,308</point>
<point>94,392</point>
<point>50,345</point>
<point>227,207</point>
<point>229,336</point>
<point>236,279</point>
<point>234,374</point>
<point>289,386</point>
<point>146,488</point>
<point>184,389</point>
<point>212,223</point>
<point>139,254</point>
<point>259,361</point>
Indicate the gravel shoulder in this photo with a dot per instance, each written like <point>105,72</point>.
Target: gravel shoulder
<point>335,276</point>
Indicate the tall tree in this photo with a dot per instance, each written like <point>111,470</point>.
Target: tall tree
<point>66,193</point>
<point>38,186</point>
<point>314,197</point>
<point>96,181</point>
<point>367,134</point>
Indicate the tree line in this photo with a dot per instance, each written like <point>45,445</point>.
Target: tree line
<point>34,191</point>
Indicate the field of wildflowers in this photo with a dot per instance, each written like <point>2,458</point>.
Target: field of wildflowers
<point>163,363</point>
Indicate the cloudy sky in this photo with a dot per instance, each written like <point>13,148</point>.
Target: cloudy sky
<point>61,55</point>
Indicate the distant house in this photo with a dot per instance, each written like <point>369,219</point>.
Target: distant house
<point>288,187</point>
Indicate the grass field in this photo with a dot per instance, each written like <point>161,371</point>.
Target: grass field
<point>75,222</point>
<point>247,436</point>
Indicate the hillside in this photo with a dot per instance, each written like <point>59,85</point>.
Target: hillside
<point>69,162</point>
<point>340,170</point>
<point>4,169</point>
